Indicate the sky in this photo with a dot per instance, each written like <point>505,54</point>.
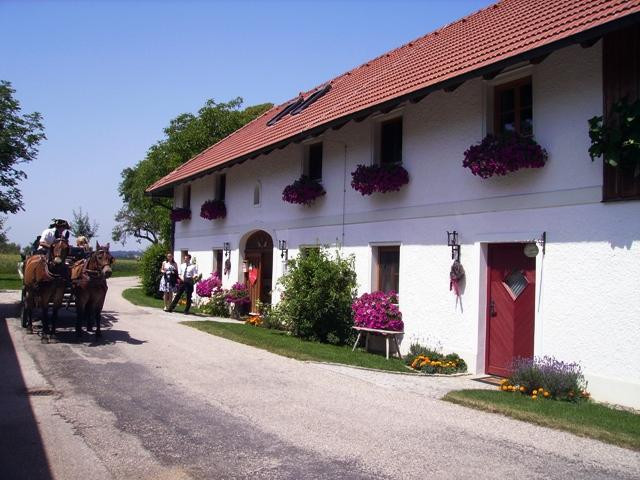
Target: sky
<point>108,76</point>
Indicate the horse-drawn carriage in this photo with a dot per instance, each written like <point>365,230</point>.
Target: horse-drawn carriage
<point>62,275</point>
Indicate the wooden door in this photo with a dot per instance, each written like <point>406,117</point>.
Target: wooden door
<point>510,307</point>
<point>253,278</point>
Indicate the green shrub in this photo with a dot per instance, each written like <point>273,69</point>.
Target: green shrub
<point>271,316</point>
<point>150,264</point>
<point>318,292</point>
<point>216,305</point>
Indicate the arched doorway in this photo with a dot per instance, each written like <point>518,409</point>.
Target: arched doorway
<point>258,267</point>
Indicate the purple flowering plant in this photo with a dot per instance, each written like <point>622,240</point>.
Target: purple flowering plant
<point>502,154</point>
<point>213,209</point>
<point>303,191</point>
<point>209,286</point>
<point>562,380</point>
<point>238,294</point>
<point>378,310</point>
<point>368,179</point>
<point>180,214</point>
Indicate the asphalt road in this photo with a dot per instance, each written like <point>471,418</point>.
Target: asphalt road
<point>159,400</point>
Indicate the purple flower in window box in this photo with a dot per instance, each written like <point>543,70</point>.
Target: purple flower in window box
<point>501,154</point>
<point>213,209</point>
<point>180,214</point>
<point>368,179</point>
<point>303,191</point>
<point>378,310</point>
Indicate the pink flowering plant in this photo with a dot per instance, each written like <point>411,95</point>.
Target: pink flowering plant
<point>213,209</point>
<point>303,191</point>
<point>238,295</point>
<point>180,214</point>
<point>378,310</point>
<point>209,286</point>
<point>502,154</point>
<point>368,179</point>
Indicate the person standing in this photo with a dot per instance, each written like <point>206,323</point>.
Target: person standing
<point>187,276</point>
<point>169,280</point>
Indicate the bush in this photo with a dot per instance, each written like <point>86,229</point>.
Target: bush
<point>378,310</point>
<point>429,360</point>
<point>317,298</point>
<point>271,316</point>
<point>150,264</point>
<point>216,305</point>
<point>562,380</point>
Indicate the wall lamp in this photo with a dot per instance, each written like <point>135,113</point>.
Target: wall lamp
<point>227,248</point>
<point>452,241</point>
<point>282,246</point>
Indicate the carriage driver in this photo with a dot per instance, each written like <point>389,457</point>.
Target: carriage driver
<point>49,235</point>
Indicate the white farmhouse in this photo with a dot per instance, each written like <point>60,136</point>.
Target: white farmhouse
<point>551,254</point>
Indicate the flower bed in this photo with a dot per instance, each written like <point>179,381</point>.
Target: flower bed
<point>238,295</point>
<point>501,154</point>
<point>377,310</point>
<point>180,214</point>
<point>213,209</point>
<point>368,179</point>
<point>206,287</point>
<point>546,377</point>
<point>430,361</point>
<point>303,191</point>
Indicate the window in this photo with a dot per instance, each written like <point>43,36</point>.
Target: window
<point>387,273</point>
<point>313,162</point>
<point>186,196</point>
<point>256,194</point>
<point>221,187</point>
<point>390,149</point>
<point>218,262</point>
<point>513,107</point>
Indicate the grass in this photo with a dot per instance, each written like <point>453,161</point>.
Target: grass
<point>125,267</point>
<point>9,278</point>
<point>138,297</point>
<point>283,344</point>
<point>586,418</point>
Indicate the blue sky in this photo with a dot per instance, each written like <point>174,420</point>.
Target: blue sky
<point>108,76</point>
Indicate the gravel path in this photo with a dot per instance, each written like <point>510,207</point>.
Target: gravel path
<point>156,399</point>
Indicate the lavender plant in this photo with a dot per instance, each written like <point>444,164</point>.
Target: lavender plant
<point>562,380</point>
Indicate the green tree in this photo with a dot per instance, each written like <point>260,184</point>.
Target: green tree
<point>146,218</point>
<point>5,245</point>
<point>20,136</point>
<point>81,225</point>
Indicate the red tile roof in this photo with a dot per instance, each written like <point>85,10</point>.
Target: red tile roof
<point>501,33</point>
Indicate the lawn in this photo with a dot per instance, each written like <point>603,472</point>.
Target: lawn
<point>125,267</point>
<point>586,418</point>
<point>9,278</point>
<point>137,297</point>
<point>283,344</point>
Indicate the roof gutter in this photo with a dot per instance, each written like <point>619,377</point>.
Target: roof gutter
<point>490,70</point>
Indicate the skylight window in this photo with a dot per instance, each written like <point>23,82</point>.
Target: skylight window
<point>299,104</point>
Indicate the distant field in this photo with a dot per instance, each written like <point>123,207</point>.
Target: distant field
<point>125,268</point>
<point>9,278</point>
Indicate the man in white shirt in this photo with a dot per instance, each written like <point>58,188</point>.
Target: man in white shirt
<point>187,276</point>
<point>49,235</point>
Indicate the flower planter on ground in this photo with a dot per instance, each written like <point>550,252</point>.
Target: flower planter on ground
<point>368,179</point>
<point>213,209</point>
<point>502,154</point>
<point>303,191</point>
<point>180,214</point>
<point>378,310</point>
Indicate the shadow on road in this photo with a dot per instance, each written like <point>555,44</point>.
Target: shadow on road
<point>22,452</point>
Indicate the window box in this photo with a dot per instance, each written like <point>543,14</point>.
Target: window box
<point>213,209</point>
<point>368,179</point>
<point>180,214</point>
<point>504,153</point>
<point>303,191</point>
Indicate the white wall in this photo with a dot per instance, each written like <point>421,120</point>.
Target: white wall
<point>588,299</point>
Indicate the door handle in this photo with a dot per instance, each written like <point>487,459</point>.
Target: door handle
<point>492,308</point>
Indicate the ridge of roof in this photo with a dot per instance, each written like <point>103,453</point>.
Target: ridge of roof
<point>473,42</point>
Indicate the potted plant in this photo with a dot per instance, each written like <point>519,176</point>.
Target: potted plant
<point>213,209</point>
<point>368,179</point>
<point>502,154</point>
<point>378,310</point>
<point>180,214</point>
<point>617,140</point>
<point>303,191</point>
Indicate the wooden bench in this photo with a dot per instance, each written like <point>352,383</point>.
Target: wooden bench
<point>387,334</point>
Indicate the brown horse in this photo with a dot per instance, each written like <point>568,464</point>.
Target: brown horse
<point>89,280</point>
<point>45,277</point>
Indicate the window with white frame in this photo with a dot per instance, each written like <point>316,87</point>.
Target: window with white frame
<point>386,268</point>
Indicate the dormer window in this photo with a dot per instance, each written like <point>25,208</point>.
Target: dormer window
<point>389,151</point>
<point>513,108</point>
<point>312,167</point>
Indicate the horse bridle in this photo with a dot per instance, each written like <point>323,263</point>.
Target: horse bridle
<point>94,255</point>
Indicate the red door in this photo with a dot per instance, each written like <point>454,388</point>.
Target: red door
<point>511,306</point>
